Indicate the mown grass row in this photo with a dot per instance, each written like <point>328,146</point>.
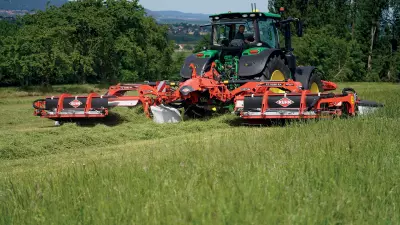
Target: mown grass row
<point>205,172</point>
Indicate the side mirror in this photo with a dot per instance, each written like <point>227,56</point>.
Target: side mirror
<point>299,26</point>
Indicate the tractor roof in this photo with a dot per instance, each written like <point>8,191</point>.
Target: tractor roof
<point>237,15</point>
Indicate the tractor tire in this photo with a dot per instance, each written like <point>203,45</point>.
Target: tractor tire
<point>310,78</point>
<point>314,83</point>
<point>275,69</point>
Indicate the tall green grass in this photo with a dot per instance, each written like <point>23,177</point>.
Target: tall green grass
<point>202,172</point>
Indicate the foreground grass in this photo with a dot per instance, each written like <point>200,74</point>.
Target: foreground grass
<point>202,172</point>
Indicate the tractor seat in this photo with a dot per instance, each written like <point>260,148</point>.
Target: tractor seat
<point>239,44</point>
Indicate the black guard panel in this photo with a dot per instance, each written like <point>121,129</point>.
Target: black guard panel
<point>97,103</point>
<point>303,74</point>
<point>251,65</point>
<point>252,103</point>
<point>255,103</point>
<point>296,99</point>
<point>202,65</point>
<point>51,103</point>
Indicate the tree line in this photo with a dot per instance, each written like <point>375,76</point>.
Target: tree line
<point>87,41</point>
<point>350,40</point>
<point>92,41</point>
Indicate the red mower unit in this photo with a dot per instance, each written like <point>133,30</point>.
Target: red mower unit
<point>253,100</point>
<point>243,70</point>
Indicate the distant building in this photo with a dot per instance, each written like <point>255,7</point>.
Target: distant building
<point>12,13</point>
<point>181,47</point>
<point>7,18</point>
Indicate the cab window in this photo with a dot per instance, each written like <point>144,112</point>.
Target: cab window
<point>268,33</point>
<point>221,34</point>
<point>249,29</point>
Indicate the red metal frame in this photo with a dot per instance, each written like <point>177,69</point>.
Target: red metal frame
<point>150,94</point>
<point>40,110</point>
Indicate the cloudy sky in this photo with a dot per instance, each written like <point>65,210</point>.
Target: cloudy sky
<point>204,6</point>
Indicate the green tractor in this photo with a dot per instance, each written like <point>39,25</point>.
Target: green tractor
<point>246,46</point>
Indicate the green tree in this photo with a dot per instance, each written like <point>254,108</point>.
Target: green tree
<point>86,41</point>
<point>368,25</point>
<point>204,42</point>
<point>357,33</point>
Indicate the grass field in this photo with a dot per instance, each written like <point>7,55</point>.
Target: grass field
<point>200,172</point>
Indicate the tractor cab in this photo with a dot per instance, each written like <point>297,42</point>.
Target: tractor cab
<point>245,30</point>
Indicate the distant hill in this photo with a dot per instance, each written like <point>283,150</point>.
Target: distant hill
<point>177,16</point>
<point>28,4</point>
<point>160,16</point>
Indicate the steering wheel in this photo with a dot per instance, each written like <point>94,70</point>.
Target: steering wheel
<point>250,38</point>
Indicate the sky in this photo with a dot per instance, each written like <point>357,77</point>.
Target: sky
<point>204,6</point>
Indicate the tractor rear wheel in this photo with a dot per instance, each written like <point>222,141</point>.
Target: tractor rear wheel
<point>276,70</point>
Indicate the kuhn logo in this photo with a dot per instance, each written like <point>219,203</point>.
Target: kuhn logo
<point>75,103</point>
<point>185,90</point>
<point>284,102</point>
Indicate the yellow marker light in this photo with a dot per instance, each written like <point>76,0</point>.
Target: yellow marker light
<point>172,84</point>
<point>214,109</point>
<point>226,81</point>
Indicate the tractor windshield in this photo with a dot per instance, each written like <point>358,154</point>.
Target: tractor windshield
<point>224,33</point>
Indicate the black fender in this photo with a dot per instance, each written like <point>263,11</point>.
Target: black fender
<point>251,65</point>
<point>303,75</point>
<point>202,65</point>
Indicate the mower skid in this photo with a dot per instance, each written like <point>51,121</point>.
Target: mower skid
<point>280,114</point>
<point>165,114</point>
<point>366,107</point>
